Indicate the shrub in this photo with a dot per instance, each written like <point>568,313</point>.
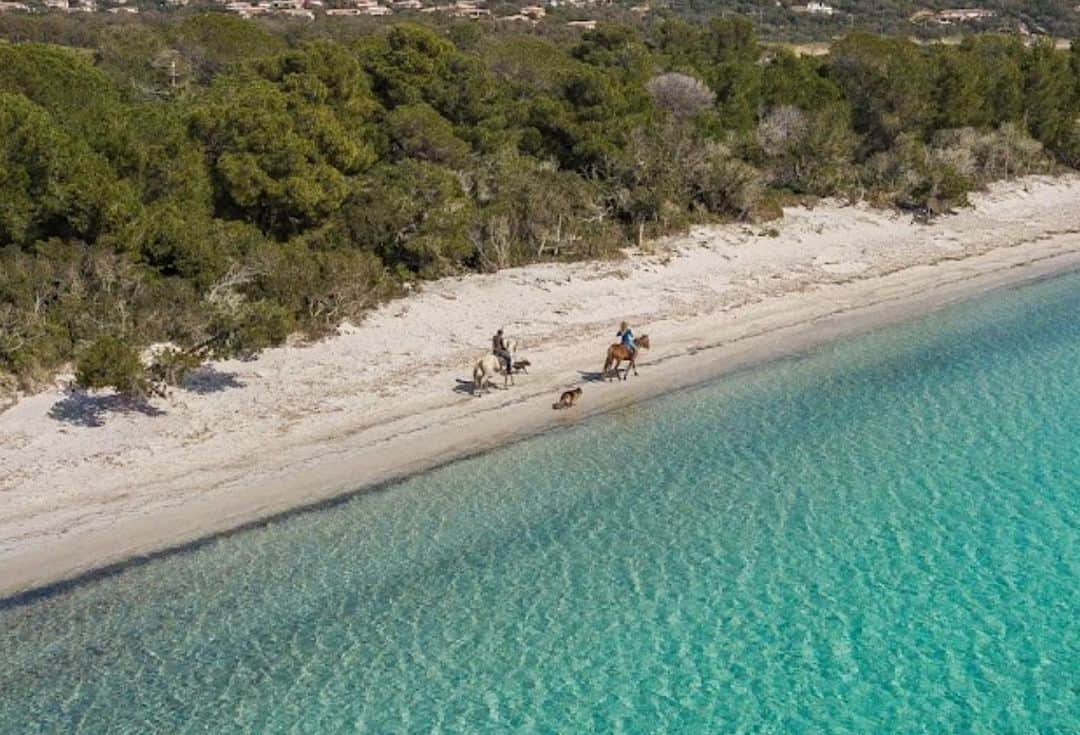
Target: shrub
<point>244,330</point>
<point>110,362</point>
<point>680,94</point>
<point>726,185</point>
<point>985,156</point>
<point>170,365</point>
<point>321,287</point>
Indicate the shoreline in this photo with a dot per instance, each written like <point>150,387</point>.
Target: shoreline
<point>140,510</point>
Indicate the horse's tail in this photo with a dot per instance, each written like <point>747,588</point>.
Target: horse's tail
<point>608,362</point>
<point>478,376</point>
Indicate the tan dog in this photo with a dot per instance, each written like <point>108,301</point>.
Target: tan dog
<point>567,399</point>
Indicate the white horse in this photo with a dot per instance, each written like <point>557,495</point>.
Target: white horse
<point>488,366</point>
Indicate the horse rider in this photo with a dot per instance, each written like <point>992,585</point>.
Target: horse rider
<point>626,337</point>
<point>499,349</point>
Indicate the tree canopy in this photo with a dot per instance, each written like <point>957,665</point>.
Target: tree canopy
<point>217,184</point>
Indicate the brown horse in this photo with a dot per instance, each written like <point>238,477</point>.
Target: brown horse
<point>617,353</point>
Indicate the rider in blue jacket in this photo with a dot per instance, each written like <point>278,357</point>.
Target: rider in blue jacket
<point>627,337</point>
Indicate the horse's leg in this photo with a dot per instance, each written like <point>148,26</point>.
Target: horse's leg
<point>633,363</point>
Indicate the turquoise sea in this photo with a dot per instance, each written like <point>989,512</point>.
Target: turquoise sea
<point>879,536</point>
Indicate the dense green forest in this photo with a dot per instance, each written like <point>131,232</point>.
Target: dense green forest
<point>218,184</point>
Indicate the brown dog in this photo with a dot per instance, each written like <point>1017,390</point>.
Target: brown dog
<point>567,399</point>
<point>521,366</point>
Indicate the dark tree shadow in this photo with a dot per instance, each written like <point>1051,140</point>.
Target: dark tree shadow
<point>207,379</point>
<point>83,409</point>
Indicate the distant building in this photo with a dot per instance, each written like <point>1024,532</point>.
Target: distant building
<point>585,25</point>
<point>371,8</point>
<point>14,8</point>
<point>950,16</point>
<point>301,13</point>
<point>577,3</point>
<point>245,9</point>
<point>963,15</point>
<point>518,18</point>
<point>466,9</point>
<point>408,5</point>
<point>363,7</point>
<point>814,8</point>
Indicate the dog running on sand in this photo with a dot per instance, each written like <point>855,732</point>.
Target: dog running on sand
<point>567,399</point>
<point>521,366</point>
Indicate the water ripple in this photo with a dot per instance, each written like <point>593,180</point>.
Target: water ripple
<point>880,536</point>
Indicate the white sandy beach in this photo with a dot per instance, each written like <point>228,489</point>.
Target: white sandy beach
<point>84,485</point>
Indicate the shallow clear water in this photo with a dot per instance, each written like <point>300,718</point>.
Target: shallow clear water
<point>880,536</point>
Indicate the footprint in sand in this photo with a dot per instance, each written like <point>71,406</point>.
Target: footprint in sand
<point>844,267</point>
<point>947,242</point>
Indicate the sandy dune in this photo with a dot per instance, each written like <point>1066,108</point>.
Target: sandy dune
<point>84,483</point>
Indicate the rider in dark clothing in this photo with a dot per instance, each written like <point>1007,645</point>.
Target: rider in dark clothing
<point>498,348</point>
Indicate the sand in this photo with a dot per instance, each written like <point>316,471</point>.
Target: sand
<point>86,483</point>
